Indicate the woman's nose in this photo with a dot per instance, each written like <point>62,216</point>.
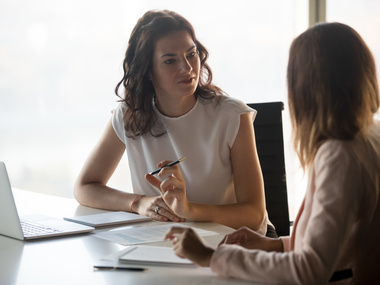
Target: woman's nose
<point>185,66</point>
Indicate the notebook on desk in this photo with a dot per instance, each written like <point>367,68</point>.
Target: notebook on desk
<point>108,219</point>
<point>32,226</point>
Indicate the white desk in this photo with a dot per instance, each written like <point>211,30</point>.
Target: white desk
<point>69,260</point>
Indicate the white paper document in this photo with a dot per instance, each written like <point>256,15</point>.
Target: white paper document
<point>144,234</point>
<point>154,255</point>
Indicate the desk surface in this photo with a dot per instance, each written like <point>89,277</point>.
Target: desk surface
<point>70,260</point>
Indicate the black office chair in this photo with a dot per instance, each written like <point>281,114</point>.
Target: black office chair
<point>270,148</point>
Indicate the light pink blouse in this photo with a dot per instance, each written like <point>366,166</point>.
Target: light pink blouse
<point>337,226</point>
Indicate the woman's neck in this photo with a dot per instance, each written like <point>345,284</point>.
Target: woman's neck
<point>175,107</point>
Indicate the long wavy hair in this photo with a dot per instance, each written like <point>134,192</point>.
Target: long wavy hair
<point>139,115</point>
<point>333,91</point>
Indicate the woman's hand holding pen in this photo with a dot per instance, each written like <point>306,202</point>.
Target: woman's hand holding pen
<point>172,188</point>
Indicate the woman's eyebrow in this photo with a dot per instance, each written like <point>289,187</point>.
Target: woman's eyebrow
<point>194,46</point>
<point>173,54</point>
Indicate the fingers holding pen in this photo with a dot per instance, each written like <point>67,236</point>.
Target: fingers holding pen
<point>153,181</point>
<point>169,183</point>
<point>163,163</point>
<point>171,171</point>
<point>172,187</point>
<point>172,178</point>
<point>166,164</point>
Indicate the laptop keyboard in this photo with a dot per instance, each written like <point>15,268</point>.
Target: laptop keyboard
<point>30,229</point>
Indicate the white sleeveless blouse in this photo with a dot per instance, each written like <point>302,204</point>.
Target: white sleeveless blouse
<point>204,135</point>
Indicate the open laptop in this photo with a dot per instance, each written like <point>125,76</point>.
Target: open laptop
<point>30,227</point>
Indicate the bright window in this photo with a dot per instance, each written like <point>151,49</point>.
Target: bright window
<point>60,61</point>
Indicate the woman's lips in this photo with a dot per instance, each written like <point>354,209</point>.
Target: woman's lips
<point>187,80</point>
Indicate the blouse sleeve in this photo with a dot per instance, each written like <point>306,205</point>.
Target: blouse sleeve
<point>231,111</point>
<point>285,243</point>
<point>118,122</point>
<point>333,210</point>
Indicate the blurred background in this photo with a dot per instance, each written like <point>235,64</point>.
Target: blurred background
<point>60,61</point>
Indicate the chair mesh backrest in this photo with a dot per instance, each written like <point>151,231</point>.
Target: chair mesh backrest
<point>270,148</point>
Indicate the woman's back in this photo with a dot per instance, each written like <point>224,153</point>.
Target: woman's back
<point>342,206</point>
<point>366,232</point>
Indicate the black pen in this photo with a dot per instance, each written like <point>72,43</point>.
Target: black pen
<point>100,267</point>
<point>170,164</point>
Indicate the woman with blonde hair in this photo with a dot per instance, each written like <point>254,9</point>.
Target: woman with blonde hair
<point>333,96</point>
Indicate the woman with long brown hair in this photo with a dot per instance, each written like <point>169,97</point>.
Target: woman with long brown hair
<point>171,109</point>
<point>333,96</point>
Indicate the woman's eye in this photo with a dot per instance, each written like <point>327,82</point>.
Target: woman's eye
<point>192,54</point>
<point>169,61</point>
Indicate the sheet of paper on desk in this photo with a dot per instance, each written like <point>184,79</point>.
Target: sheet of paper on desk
<point>154,255</point>
<point>138,235</point>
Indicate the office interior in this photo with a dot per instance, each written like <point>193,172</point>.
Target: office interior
<point>60,62</point>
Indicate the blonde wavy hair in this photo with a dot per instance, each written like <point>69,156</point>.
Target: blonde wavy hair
<point>332,87</point>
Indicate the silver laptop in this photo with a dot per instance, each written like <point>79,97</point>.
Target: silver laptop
<point>33,226</point>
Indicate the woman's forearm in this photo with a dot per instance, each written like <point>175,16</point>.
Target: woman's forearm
<point>100,196</point>
<point>231,215</point>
